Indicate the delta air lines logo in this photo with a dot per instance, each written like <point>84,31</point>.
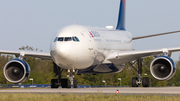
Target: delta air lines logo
<point>94,34</point>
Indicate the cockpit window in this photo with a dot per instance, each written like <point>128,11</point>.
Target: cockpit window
<point>68,39</point>
<point>75,39</point>
<point>55,39</point>
<point>60,39</point>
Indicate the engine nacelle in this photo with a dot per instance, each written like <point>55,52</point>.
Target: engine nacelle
<point>16,71</point>
<point>162,68</point>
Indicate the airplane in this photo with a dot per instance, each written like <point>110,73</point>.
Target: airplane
<point>92,50</point>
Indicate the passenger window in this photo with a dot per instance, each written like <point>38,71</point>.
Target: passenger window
<point>68,39</point>
<point>60,39</point>
<point>55,39</point>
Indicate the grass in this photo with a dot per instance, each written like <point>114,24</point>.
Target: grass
<point>83,97</point>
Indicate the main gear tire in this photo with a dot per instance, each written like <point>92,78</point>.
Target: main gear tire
<point>134,82</point>
<point>54,83</point>
<point>145,82</point>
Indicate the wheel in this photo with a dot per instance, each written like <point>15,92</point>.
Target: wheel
<point>134,80</point>
<point>75,83</point>
<point>145,82</point>
<point>65,83</point>
<point>54,83</point>
<point>68,84</point>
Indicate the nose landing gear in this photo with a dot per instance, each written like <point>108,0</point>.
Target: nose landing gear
<point>65,83</point>
<point>71,77</point>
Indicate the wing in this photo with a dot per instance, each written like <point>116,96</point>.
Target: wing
<point>119,57</point>
<point>41,55</point>
<point>141,37</point>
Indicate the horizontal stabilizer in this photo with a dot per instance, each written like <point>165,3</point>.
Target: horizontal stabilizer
<point>142,37</point>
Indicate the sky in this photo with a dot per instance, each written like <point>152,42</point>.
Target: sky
<point>35,22</point>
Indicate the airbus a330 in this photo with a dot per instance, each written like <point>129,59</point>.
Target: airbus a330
<point>90,50</point>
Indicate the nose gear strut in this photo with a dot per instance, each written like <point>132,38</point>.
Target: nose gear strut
<point>71,77</point>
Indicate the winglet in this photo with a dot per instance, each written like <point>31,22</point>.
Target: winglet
<point>121,18</point>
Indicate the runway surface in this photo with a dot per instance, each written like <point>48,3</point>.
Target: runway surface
<point>122,90</point>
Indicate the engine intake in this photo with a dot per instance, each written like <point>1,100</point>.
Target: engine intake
<point>16,71</point>
<point>163,68</point>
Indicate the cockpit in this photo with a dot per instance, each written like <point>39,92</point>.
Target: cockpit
<point>74,38</point>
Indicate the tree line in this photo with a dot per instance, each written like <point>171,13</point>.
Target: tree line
<point>42,73</point>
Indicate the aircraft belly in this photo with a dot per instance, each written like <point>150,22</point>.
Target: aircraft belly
<point>103,68</point>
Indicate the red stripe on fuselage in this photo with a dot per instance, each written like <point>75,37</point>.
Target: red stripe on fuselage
<point>91,34</point>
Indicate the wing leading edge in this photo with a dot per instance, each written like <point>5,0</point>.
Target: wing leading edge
<point>119,57</point>
<point>41,55</point>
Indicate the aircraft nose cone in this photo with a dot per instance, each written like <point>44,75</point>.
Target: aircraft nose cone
<point>64,50</point>
<point>69,55</point>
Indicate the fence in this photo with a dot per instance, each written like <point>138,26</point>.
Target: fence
<point>45,86</point>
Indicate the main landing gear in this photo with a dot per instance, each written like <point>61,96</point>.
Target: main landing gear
<point>65,83</point>
<point>136,81</point>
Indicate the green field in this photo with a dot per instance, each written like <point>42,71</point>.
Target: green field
<point>83,97</point>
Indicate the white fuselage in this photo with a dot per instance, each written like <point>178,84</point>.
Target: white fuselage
<point>79,47</point>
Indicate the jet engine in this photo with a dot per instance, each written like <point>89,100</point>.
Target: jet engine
<point>162,68</point>
<point>16,71</point>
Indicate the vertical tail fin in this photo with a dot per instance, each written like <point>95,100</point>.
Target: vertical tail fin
<point>121,18</point>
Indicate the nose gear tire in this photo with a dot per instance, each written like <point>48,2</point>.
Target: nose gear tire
<point>75,84</point>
